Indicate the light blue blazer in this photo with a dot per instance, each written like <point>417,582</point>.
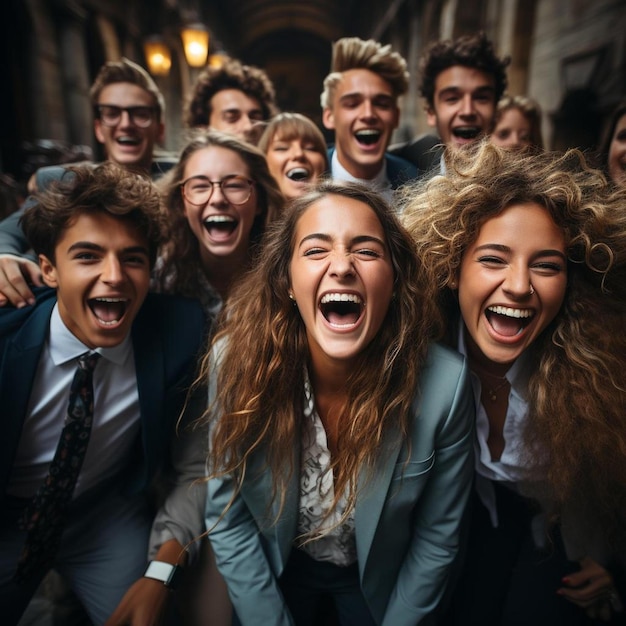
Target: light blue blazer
<point>407,516</point>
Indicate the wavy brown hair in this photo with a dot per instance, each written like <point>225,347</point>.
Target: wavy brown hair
<point>261,377</point>
<point>575,439</point>
<point>181,257</point>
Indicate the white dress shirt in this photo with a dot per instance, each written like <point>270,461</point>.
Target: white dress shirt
<point>379,183</point>
<point>116,412</point>
<point>508,469</point>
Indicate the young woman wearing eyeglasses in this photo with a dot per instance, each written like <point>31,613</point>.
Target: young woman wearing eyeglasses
<point>220,197</point>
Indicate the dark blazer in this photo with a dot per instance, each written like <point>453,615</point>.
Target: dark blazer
<point>424,152</point>
<point>399,171</point>
<point>167,335</point>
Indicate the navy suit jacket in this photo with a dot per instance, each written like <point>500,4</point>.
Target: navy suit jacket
<point>167,335</point>
<point>399,170</point>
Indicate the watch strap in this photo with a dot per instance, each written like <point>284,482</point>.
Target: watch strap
<point>167,573</point>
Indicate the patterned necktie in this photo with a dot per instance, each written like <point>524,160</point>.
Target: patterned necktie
<point>44,518</point>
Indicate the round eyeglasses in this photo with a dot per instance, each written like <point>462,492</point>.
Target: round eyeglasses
<point>110,115</point>
<point>197,190</point>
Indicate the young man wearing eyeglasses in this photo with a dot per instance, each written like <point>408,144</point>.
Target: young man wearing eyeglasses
<point>128,111</point>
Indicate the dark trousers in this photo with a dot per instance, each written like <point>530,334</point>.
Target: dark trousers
<point>322,594</point>
<point>505,579</point>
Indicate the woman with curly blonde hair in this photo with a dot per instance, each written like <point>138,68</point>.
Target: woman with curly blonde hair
<point>341,436</point>
<point>530,254</point>
<point>219,198</point>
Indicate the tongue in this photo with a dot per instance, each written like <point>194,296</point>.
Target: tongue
<point>341,319</point>
<point>108,311</point>
<point>220,230</point>
<point>504,325</point>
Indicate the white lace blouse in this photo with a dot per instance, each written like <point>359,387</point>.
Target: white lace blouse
<point>337,543</point>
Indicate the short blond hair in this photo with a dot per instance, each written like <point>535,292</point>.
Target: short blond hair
<point>350,53</point>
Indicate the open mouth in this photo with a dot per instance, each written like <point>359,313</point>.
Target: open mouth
<point>367,136</point>
<point>220,225</point>
<point>128,141</point>
<point>108,311</point>
<point>342,309</point>
<point>508,322</point>
<point>466,132</point>
<point>298,174</point>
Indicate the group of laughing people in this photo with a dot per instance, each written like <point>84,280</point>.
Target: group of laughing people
<point>348,385</point>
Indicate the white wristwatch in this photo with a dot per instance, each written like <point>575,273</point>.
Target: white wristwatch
<point>167,573</point>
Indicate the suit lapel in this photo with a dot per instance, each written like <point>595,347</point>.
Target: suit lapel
<point>21,357</point>
<point>373,489</point>
<point>149,366</point>
<point>257,493</point>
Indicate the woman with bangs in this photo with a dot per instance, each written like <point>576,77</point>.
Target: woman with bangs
<point>295,150</point>
<point>339,456</point>
<point>220,198</point>
<point>530,254</point>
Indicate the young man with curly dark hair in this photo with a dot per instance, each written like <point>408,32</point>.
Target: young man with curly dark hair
<point>462,81</point>
<point>232,98</point>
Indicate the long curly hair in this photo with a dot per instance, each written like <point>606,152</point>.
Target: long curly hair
<point>575,436</point>
<point>181,257</point>
<point>261,377</point>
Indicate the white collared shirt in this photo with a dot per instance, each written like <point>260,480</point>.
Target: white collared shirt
<point>509,468</point>
<point>379,183</point>
<point>116,412</point>
<point>338,545</point>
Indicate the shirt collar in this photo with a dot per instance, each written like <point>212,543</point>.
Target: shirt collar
<point>379,182</point>
<point>65,346</point>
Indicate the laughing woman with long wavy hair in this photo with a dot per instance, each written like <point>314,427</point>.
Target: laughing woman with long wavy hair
<point>340,434</point>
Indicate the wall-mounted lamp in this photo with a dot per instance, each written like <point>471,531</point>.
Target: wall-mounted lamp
<point>158,56</point>
<point>217,59</point>
<point>196,44</point>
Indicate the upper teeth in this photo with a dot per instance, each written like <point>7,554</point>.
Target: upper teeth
<point>298,173</point>
<point>368,131</point>
<point>219,218</point>
<point>341,297</point>
<point>111,299</point>
<point>503,310</point>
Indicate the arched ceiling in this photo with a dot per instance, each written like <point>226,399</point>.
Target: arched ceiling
<point>253,20</point>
